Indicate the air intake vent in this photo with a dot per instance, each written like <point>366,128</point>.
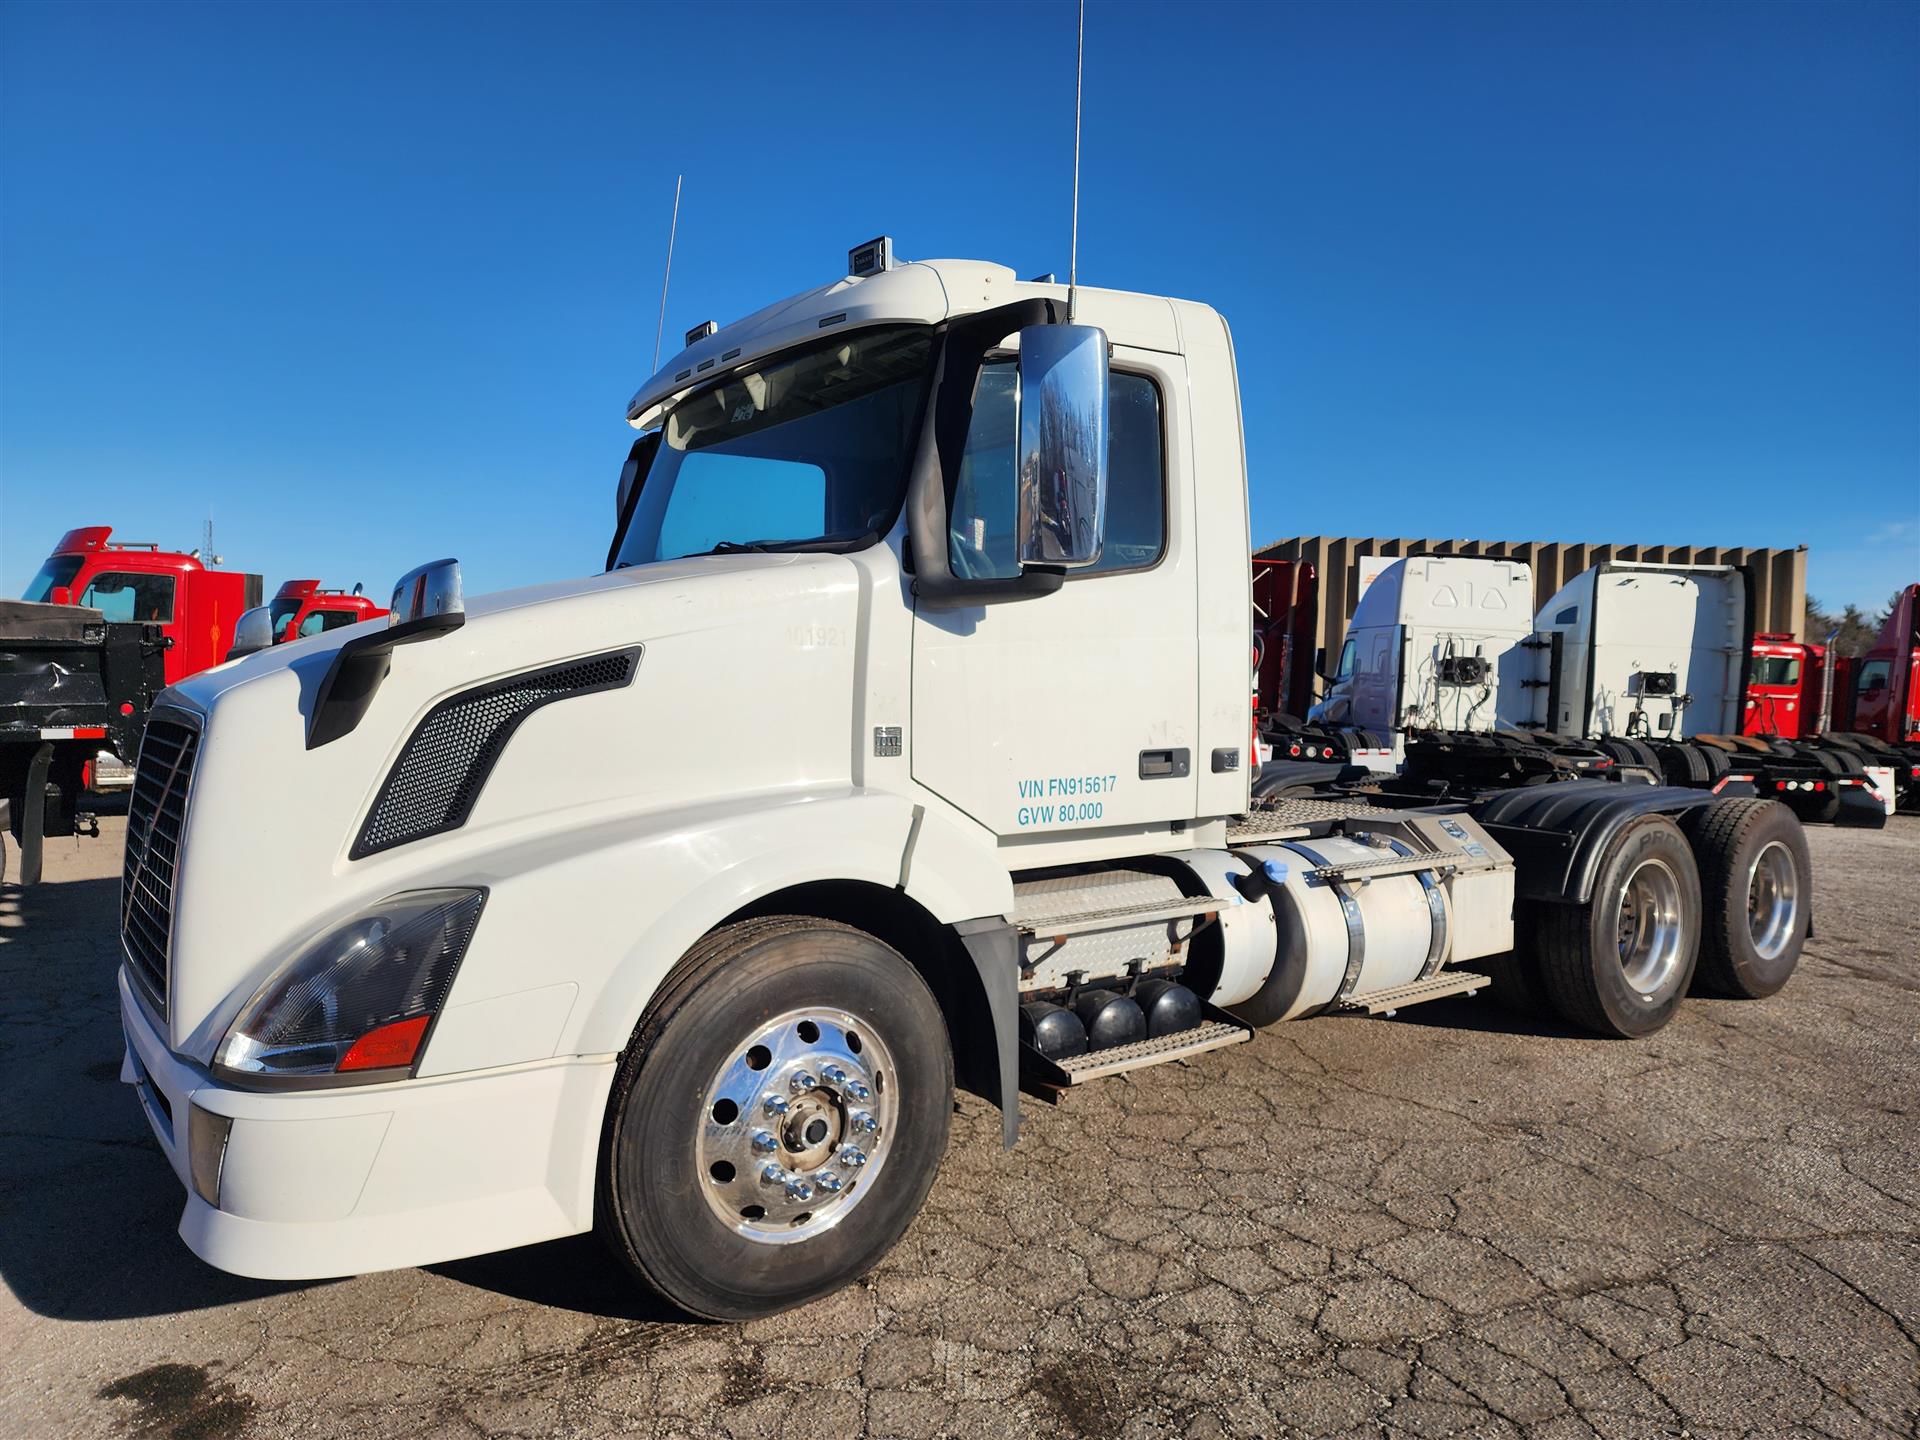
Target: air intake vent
<point>156,820</point>
<point>445,762</point>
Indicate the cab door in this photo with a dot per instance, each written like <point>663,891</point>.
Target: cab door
<point>1074,711</point>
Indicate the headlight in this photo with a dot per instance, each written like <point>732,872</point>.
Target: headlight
<point>360,1000</point>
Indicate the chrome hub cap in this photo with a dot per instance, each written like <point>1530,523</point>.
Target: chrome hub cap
<point>1773,900</point>
<point>1649,927</point>
<point>796,1125</point>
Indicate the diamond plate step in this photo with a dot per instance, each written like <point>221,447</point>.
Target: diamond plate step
<point>1094,1064</point>
<point>1077,922</point>
<point>1385,865</point>
<point>1387,1002</point>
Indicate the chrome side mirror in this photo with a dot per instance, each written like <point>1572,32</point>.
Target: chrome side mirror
<point>1062,459</point>
<point>427,591</point>
<point>253,631</point>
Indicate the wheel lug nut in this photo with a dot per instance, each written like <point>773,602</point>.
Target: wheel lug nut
<point>857,1091</point>
<point>802,1082</point>
<point>853,1157</point>
<point>765,1143</point>
<point>828,1181</point>
<point>834,1075</point>
<point>862,1122</point>
<point>775,1106</point>
<point>799,1190</point>
<point>773,1175</point>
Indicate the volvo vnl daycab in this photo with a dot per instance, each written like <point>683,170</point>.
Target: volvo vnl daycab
<point>447,990</point>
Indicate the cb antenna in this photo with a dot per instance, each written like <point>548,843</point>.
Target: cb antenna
<point>1073,252</point>
<point>666,279</point>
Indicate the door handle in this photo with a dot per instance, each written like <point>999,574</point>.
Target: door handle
<point>1164,764</point>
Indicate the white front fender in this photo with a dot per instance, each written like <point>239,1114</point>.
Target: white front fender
<point>608,909</point>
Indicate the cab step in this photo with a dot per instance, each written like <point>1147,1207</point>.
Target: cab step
<point>1387,1002</point>
<point>1053,927</point>
<point>1215,1033</point>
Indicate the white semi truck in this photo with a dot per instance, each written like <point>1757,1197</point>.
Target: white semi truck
<point>1636,666</point>
<point>405,981</point>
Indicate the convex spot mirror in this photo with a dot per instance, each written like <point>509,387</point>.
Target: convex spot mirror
<point>1061,466</point>
<point>252,631</point>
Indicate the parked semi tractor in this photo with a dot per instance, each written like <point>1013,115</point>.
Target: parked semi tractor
<point>195,607</point>
<point>454,992</point>
<point>1865,706</point>
<point>300,608</point>
<point>1636,670</point>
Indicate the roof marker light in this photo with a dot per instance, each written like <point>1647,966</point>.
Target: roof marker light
<point>871,258</point>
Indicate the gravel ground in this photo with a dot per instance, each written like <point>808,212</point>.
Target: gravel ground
<point>1451,1223</point>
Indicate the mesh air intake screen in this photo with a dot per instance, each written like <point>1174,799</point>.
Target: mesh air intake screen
<point>445,762</point>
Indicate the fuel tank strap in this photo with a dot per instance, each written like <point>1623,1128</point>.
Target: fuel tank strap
<point>1436,906</point>
<point>1356,927</point>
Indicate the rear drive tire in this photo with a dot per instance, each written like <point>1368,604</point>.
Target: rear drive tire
<point>1756,882</point>
<point>1619,964</point>
<point>788,1043</point>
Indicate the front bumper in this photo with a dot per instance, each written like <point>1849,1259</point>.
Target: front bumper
<point>322,1183</point>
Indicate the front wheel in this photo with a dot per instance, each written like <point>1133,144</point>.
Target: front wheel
<point>778,1120</point>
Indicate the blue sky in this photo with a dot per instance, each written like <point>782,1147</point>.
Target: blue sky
<point>371,284</point>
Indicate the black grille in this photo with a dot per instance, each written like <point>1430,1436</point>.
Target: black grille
<point>445,762</point>
<point>156,817</point>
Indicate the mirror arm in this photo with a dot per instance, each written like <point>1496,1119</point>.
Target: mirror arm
<point>641,458</point>
<point>943,437</point>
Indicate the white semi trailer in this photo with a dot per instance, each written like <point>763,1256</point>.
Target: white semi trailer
<point>437,988</point>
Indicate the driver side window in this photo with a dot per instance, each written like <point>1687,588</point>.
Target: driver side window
<point>1347,653</point>
<point>980,540</point>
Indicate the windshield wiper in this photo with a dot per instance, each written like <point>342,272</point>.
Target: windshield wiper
<point>737,547</point>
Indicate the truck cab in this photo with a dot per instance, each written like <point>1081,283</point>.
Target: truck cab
<point>1434,643</point>
<point>300,608</point>
<point>984,543</point>
<point>1785,683</point>
<point>195,607</point>
<point>1883,684</point>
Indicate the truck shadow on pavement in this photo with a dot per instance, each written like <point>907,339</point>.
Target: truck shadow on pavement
<point>578,1273</point>
<point>88,1203</point>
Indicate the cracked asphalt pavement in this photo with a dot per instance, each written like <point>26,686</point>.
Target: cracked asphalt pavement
<point>1448,1223</point>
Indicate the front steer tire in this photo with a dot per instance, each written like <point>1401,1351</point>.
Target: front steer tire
<point>1619,964</point>
<point>657,1171</point>
<point>1756,881</point>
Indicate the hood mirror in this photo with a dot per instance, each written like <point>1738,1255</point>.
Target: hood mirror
<point>1062,459</point>
<point>427,592</point>
<point>252,632</point>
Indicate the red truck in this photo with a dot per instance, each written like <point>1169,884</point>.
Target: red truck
<point>301,608</point>
<point>196,608</point>
<point>1867,704</point>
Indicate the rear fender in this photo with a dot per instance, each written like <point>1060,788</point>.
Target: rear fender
<point>1558,833</point>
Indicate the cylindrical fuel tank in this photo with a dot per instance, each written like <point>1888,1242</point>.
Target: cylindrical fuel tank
<point>1229,960</point>
<point>1342,940</point>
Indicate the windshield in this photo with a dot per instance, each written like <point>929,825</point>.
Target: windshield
<point>281,613</point>
<point>805,450</point>
<point>56,574</point>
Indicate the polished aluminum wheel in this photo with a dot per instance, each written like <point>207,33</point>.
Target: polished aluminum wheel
<point>1773,900</point>
<point>1649,926</point>
<point>797,1125</point>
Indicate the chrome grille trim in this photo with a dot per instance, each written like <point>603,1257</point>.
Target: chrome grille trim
<point>156,823</point>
